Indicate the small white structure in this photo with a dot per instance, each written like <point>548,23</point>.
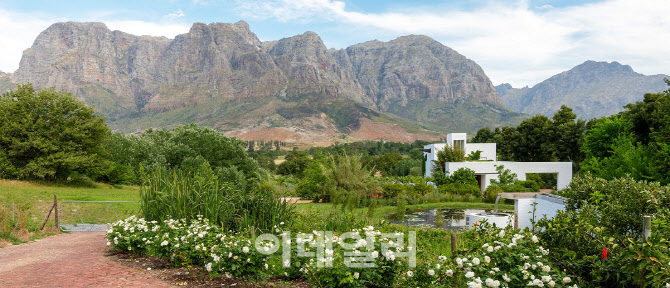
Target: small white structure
<point>531,207</point>
<point>485,168</point>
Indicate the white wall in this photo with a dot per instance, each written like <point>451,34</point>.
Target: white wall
<point>488,150</point>
<point>563,169</point>
<point>432,156</point>
<point>547,205</point>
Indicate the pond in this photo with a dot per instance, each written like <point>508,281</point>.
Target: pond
<point>453,219</point>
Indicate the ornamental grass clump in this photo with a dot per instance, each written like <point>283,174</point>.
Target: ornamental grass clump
<point>230,202</point>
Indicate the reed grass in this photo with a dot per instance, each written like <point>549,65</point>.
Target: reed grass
<point>227,202</point>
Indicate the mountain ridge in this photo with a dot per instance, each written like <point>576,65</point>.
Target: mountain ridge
<point>214,70</point>
<point>592,89</point>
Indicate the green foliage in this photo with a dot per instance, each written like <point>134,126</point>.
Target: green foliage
<point>311,186</point>
<point>539,139</point>
<point>347,179</point>
<point>295,164</point>
<point>49,135</point>
<point>448,154</point>
<point>505,176</point>
<point>223,197</point>
<point>385,163</point>
<point>186,148</point>
<point>609,214</point>
<point>474,155</point>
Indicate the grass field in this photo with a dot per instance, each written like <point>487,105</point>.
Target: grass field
<point>23,206</point>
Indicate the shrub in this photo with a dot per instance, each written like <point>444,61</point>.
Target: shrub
<point>217,197</point>
<point>461,189</point>
<point>607,215</point>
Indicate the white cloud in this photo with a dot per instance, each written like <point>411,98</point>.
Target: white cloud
<point>19,31</point>
<point>513,43</point>
<point>176,14</point>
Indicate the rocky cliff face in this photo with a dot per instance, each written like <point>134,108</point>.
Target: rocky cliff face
<point>415,68</point>
<point>213,70</point>
<point>592,89</point>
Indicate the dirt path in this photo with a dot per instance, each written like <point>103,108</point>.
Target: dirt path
<point>68,260</point>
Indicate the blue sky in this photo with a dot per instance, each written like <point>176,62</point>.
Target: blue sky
<point>518,41</point>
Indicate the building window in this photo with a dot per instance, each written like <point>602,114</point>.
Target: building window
<point>459,144</point>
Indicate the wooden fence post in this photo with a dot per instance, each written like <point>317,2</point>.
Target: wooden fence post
<point>56,211</point>
<point>46,218</point>
<point>646,227</point>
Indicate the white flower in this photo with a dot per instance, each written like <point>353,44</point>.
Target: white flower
<point>551,283</point>
<point>459,261</point>
<point>489,282</point>
<point>470,274</point>
<point>546,278</point>
<point>475,261</point>
<point>489,249</point>
<point>208,266</point>
<point>431,272</point>
<point>281,223</point>
<point>506,278</point>
<point>108,243</point>
<point>356,275</point>
<point>501,234</point>
<point>534,238</point>
<point>374,254</point>
<point>487,259</point>
<point>546,268</point>
<point>245,249</point>
<point>410,273</point>
<point>567,280</point>
<point>450,273</point>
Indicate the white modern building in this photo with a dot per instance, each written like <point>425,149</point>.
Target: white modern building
<point>485,168</point>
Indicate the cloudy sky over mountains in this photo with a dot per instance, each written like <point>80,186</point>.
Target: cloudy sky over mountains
<point>520,42</point>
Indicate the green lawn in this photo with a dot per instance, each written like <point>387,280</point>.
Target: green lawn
<point>23,206</point>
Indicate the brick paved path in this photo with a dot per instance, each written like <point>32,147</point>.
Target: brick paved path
<point>68,260</point>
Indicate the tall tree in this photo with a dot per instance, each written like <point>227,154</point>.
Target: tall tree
<point>48,135</point>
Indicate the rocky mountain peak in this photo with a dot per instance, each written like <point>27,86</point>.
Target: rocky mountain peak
<point>592,89</point>
<point>213,66</point>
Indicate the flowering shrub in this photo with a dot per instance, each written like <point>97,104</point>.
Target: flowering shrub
<point>364,262</point>
<point>495,258</point>
<point>186,243</point>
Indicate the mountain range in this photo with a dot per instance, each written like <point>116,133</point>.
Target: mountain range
<point>221,75</point>
<point>297,90</point>
<point>592,89</point>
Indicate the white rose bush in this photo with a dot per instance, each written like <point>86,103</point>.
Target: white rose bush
<point>488,257</point>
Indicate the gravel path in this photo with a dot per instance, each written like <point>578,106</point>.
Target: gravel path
<point>68,260</point>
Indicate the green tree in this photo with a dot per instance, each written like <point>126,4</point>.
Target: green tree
<point>49,135</point>
<point>567,136</point>
<point>448,154</point>
<point>532,143</point>
<point>295,164</point>
<point>484,135</point>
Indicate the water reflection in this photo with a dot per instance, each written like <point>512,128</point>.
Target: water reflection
<point>453,219</point>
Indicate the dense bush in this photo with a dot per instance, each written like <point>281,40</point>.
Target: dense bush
<point>604,218</point>
<point>49,135</point>
<point>224,197</point>
<point>187,148</point>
